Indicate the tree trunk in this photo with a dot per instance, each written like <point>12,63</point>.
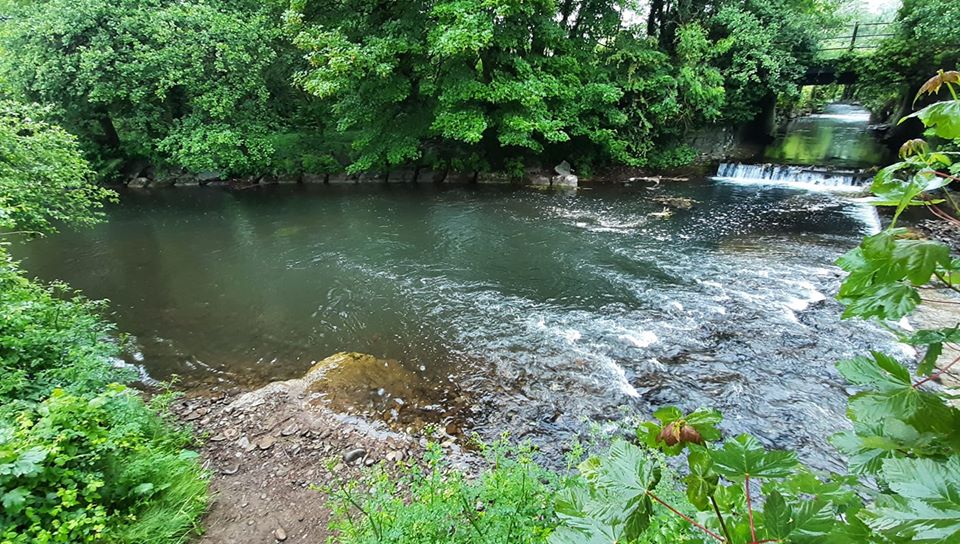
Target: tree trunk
<point>110,137</point>
<point>655,17</point>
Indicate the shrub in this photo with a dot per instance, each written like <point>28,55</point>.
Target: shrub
<point>49,337</point>
<point>101,468</point>
<point>512,500</point>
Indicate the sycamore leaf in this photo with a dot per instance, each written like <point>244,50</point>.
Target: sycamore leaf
<point>612,505</point>
<point>921,258</point>
<point>14,499</point>
<point>942,117</point>
<point>778,520</point>
<point>881,372</point>
<point>891,301</point>
<point>702,480</point>
<point>744,455</point>
<point>927,506</point>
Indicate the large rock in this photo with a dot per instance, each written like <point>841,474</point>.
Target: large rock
<point>357,384</point>
<point>565,181</point>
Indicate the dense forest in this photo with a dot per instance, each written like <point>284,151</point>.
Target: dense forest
<point>97,91</point>
<point>237,88</point>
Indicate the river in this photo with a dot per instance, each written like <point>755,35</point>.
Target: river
<point>515,309</point>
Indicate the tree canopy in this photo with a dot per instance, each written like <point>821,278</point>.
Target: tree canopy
<point>259,88</point>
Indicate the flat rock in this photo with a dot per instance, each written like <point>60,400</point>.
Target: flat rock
<point>354,455</point>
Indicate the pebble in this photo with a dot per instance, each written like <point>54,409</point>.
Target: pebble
<point>232,469</point>
<point>395,456</point>
<point>369,461</point>
<point>266,442</point>
<point>354,455</point>
<point>280,534</point>
<point>290,429</point>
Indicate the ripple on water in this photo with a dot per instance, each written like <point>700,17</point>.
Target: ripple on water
<point>543,310</point>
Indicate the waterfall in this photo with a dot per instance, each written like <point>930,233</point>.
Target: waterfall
<point>798,176</point>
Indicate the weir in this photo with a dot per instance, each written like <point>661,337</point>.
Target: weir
<point>798,176</point>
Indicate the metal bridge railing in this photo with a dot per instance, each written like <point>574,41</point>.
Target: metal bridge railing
<point>861,36</point>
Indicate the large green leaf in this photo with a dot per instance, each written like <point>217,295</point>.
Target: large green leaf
<point>880,372</point>
<point>612,505</point>
<point>744,455</point>
<point>702,480</point>
<point>927,508</point>
<point>891,301</point>
<point>943,118</point>
<point>777,517</point>
<point>921,258</point>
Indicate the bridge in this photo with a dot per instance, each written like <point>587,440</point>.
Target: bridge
<point>861,37</point>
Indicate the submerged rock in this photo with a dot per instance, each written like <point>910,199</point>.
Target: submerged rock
<point>377,390</point>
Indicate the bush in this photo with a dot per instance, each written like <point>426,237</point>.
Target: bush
<point>513,500</point>
<point>510,502</point>
<point>47,341</point>
<point>101,468</point>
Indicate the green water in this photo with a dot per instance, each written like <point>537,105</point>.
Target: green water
<point>532,309</point>
<point>835,137</point>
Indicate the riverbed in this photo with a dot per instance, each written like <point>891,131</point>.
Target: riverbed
<point>513,309</point>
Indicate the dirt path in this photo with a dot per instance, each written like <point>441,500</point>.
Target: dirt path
<point>266,449</point>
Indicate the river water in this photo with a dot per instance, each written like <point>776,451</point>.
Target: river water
<point>515,309</point>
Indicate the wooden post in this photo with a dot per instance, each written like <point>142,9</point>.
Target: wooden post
<point>853,38</point>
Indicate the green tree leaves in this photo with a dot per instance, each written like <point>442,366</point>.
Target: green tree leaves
<point>885,271</point>
<point>926,507</point>
<point>44,179</point>
<point>942,119</point>
<point>744,457</point>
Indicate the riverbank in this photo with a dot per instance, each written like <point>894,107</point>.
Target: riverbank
<point>269,450</point>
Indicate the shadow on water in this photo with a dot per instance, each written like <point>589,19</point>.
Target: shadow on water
<point>539,310</point>
<point>836,137</point>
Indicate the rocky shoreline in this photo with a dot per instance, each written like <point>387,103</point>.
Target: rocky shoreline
<point>268,450</point>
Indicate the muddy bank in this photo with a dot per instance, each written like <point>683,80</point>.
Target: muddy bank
<point>268,449</point>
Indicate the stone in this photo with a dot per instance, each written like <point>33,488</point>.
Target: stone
<point>394,456</point>
<point>290,429</point>
<point>354,455</point>
<point>230,469</point>
<point>138,183</point>
<point>280,534</point>
<point>565,180</point>
<point>266,442</point>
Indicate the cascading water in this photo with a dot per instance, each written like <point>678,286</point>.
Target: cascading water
<point>828,151</point>
<point>800,176</point>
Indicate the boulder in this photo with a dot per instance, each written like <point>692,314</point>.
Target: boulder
<point>565,180</point>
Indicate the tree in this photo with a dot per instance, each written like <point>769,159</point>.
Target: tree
<point>44,179</point>
<point>188,84</point>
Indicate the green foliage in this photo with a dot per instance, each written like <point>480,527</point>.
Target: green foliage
<point>185,84</point>
<point>905,435</point>
<point>611,501</point>
<point>220,86</point>
<point>101,468</point>
<point>44,180</point>
<point>924,40</point>
<point>512,501</point>
<point>793,504</point>
<point>50,337</point>
<point>78,463</point>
